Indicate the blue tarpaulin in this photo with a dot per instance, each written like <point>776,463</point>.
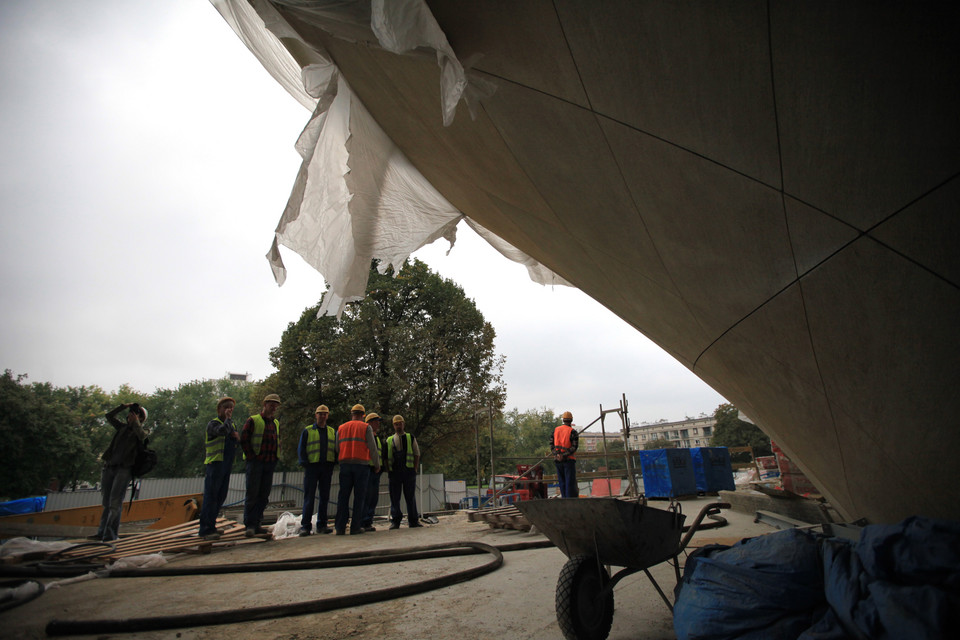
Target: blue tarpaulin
<point>23,505</point>
<point>712,469</point>
<point>667,473</point>
<point>897,581</point>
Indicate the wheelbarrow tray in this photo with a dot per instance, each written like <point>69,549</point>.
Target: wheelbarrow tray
<point>619,532</point>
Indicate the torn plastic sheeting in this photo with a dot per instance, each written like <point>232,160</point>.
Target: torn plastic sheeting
<point>251,28</point>
<point>399,26</point>
<point>356,196</point>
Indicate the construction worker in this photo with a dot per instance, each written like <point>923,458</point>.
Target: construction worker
<point>221,445</point>
<point>403,460</point>
<point>260,441</point>
<point>355,449</point>
<point>317,453</point>
<point>118,462</point>
<point>373,484</point>
<point>564,445</point>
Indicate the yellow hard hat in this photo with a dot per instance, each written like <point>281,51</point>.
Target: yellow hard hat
<point>272,397</point>
<point>224,400</point>
<point>372,416</point>
<point>358,407</point>
<point>397,418</point>
<point>566,416</point>
<point>322,409</point>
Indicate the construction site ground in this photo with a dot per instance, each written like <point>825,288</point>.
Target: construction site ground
<point>515,601</point>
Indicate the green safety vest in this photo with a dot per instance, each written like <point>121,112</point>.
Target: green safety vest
<point>408,450</point>
<point>215,446</point>
<point>376,439</point>
<point>313,443</point>
<point>258,427</point>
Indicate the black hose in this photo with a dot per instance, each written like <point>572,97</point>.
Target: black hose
<point>85,627</point>
<point>13,594</point>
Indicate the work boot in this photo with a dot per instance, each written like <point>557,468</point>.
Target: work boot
<point>340,532</point>
<point>262,530</point>
<point>394,525</point>
<point>303,533</point>
<point>211,536</point>
<point>326,530</point>
<point>369,528</point>
<point>250,532</point>
<point>414,525</point>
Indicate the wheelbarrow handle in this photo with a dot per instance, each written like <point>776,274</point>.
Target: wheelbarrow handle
<point>709,509</point>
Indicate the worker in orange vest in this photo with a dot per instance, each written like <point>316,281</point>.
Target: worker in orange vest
<point>564,445</point>
<point>356,448</point>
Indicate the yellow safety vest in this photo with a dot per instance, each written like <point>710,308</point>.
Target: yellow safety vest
<point>408,451</point>
<point>313,443</point>
<point>215,446</point>
<point>258,427</point>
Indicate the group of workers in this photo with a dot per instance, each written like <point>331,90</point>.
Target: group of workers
<point>360,448</point>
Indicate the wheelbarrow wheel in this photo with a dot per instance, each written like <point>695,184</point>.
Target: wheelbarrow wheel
<point>582,613</point>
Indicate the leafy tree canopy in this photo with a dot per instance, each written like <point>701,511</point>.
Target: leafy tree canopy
<point>731,431</point>
<point>415,346</point>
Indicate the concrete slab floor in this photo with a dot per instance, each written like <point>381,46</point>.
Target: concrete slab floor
<point>516,601</point>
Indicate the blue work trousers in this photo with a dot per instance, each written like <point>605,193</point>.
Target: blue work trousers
<point>216,483</point>
<point>259,484</point>
<point>353,478</point>
<point>567,478</point>
<point>316,479</point>
<point>373,498</point>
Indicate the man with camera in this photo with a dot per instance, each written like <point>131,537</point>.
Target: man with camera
<point>118,461</point>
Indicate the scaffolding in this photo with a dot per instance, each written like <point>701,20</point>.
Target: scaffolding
<point>491,500</point>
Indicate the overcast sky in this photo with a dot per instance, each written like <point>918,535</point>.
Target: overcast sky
<point>146,158</point>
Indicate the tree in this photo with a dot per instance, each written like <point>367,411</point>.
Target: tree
<point>731,431</point>
<point>177,421</point>
<point>42,441</point>
<point>415,345</point>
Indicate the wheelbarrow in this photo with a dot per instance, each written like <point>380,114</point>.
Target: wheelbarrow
<point>594,532</point>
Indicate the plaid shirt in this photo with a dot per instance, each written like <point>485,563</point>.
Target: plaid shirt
<point>268,446</point>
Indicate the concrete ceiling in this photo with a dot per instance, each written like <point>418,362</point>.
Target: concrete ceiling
<point>768,190</point>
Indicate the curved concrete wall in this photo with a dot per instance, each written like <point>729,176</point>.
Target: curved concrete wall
<point>768,190</point>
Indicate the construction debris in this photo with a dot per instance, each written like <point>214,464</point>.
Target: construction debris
<point>508,517</point>
<point>181,538</point>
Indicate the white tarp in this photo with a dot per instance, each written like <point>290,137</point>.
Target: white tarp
<point>356,197</point>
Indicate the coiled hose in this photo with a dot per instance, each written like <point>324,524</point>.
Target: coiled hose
<point>128,625</point>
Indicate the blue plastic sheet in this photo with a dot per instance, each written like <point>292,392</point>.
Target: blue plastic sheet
<point>667,473</point>
<point>712,469</point>
<point>897,581</point>
<point>23,505</point>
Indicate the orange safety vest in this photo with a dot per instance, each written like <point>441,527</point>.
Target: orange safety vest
<point>561,438</point>
<point>353,441</point>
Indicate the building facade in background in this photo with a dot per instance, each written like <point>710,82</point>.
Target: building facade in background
<point>691,432</point>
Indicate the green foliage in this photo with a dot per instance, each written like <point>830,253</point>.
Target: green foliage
<point>659,443</point>
<point>54,436</point>
<point>415,345</point>
<point>178,419</point>
<point>731,431</point>
<point>49,434</point>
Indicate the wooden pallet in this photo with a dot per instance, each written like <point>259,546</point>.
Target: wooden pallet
<point>508,517</point>
<point>181,538</point>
